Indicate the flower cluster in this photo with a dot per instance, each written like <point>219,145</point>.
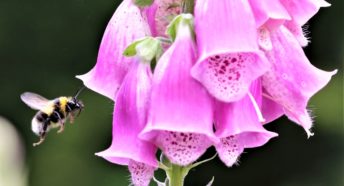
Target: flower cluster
<point>231,67</point>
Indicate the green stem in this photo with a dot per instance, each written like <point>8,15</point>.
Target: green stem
<point>188,6</point>
<point>176,175</point>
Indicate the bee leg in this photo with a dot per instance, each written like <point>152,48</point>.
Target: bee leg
<point>71,118</point>
<point>42,137</point>
<point>41,140</point>
<point>79,111</point>
<point>61,127</point>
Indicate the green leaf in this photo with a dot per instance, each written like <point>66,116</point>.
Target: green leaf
<point>148,49</point>
<point>143,3</point>
<point>131,49</point>
<point>180,19</point>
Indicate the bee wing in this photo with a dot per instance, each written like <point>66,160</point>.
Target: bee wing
<point>34,101</point>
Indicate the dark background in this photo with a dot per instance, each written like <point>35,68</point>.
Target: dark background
<point>45,43</point>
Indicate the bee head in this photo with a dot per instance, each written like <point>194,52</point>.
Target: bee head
<point>78,103</point>
<point>74,104</point>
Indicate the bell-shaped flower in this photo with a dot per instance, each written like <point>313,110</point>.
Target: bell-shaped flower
<point>229,56</point>
<point>270,109</point>
<point>130,116</point>
<point>301,11</point>
<point>292,79</point>
<point>126,25</point>
<point>180,120</point>
<point>269,13</point>
<point>238,125</point>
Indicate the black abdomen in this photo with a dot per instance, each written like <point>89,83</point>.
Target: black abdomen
<point>54,117</point>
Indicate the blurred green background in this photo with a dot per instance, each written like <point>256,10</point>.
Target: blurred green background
<point>45,43</point>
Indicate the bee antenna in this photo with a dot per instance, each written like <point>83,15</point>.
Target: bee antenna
<point>79,91</point>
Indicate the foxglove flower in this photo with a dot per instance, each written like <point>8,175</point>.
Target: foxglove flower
<point>126,25</point>
<point>180,116</point>
<point>301,11</point>
<point>129,119</point>
<point>238,125</point>
<point>269,13</point>
<point>292,79</point>
<point>229,57</point>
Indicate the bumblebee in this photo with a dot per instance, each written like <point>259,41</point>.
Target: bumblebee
<point>51,113</point>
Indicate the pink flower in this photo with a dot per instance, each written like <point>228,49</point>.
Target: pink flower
<point>245,69</point>
<point>229,57</point>
<point>301,11</point>
<point>126,25</point>
<point>292,80</point>
<point>238,125</point>
<point>130,118</point>
<point>269,13</point>
<point>180,116</point>
<point>233,53</point>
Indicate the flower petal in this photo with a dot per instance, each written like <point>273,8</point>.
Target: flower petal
<point>130,118</point>
<point>150,13</point>
<point>270,13</point>
<point>126,25</point>
<point>292,80</point>
<point>238,127</point>
<point>271,110</point>
<point>141,174</point>
<point>229,56</point>
<point>302,10</point>
<point>229,150</point>
<point>264,40</point>
<point>299,33</point>
<point>177,123</point>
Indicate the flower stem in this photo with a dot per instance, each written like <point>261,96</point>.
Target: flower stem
<point>188,6</point>
<point>176,175</point>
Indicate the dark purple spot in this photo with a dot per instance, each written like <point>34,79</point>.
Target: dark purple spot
<point>237,75</point>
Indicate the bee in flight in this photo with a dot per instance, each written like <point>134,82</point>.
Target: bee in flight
<point>51,113</point>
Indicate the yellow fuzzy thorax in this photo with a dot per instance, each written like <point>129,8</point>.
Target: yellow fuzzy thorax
<point>63,103</point>
<point>49,109</point>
